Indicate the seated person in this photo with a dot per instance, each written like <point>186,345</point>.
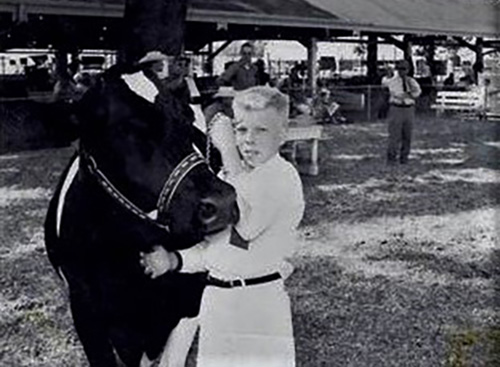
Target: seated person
<point>324,108</point>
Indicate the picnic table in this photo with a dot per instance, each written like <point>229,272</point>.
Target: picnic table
<point>304,130</point>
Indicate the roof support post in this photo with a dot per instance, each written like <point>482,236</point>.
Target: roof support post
<point>208,64</point>
<point>372,57</point>
<point>478,66</point>
<point>407,50</point>
<point>61,65</point>
<point>312,58</point>
<point>430,55</point>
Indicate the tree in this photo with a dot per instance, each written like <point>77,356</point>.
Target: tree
<point>153,25</point>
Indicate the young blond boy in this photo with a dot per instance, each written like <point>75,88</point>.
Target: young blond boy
<point>245,316</point>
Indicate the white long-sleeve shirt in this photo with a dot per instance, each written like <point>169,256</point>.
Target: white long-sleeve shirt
<point>398,95</point>
<point>271,204</point>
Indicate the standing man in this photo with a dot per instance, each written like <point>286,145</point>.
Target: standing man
<point>242,74</point>
<point>403,91</point>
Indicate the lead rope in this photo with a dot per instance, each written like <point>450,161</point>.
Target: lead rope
<point>207,147</point>
<point>210,124</point>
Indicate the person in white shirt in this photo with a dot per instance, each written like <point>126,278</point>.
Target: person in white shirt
<point>403,91</point>
<point>245,316</point>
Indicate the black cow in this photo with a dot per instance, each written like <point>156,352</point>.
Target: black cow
<point>99,220</point>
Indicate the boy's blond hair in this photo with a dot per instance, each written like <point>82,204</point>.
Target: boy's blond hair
<point>262,97</point>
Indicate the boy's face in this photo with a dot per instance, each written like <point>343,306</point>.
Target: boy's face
<point>246,53</point>
<point>402,71</point>
<point>259,134</point>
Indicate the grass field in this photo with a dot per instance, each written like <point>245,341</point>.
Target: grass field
<point>398,265</point>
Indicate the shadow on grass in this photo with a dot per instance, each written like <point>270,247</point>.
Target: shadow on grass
<point>442,264</point>
<point>452,168</point>
<point>349,320</point>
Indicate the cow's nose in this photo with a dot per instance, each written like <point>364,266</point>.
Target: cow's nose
<point>207,212</point>
<point>218,210</point>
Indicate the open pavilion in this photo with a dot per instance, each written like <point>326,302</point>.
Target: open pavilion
<point>97,24</point>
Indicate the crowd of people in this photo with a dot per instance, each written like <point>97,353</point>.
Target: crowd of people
<point>398,90</point>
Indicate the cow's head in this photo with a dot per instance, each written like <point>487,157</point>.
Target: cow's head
<point>138,143</point>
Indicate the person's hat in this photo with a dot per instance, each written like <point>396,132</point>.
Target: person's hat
<point>402,65</point>
<point>324,91</point>
<point>183,57</point>
<point>225,92</point>
<point>153,56</point>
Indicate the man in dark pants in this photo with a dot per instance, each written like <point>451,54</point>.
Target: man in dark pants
<point>403,90</point>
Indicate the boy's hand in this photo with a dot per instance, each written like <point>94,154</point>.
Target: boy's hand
<point>286,269</point>
<point>158,262</point>
<point>221,132</point>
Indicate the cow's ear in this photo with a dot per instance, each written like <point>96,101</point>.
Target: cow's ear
<point>91,109</point>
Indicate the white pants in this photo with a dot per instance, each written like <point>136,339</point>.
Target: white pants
<point>246,327</point>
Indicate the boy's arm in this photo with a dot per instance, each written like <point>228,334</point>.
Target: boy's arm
<point>161,261</point>
<point>277,199</point>
<point>193,259</point>
<point>256,214</point>
<point>266,200</point>
<point>222,136</point>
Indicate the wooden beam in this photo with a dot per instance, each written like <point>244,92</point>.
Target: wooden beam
<point>492,44</point>
<point>212,55</point>
<point>394,41</point>
<point>491,51</point>
<point>463,43</point>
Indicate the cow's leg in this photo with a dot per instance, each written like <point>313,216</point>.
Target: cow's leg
<point>128,345</point>
<point>89,324</point>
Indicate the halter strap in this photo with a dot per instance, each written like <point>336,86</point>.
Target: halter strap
<point>166,194</point>
<point>175,178</point>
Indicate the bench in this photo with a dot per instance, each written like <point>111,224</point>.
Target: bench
<point>305,133</point>
<point>493,105</point>
<point>459,102</point>
<point>492,116</point>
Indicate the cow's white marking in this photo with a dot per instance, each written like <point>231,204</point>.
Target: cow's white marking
<point>62,196</point>
<point>199,118</point>
<point>153,214</point>
<point>141,85</point>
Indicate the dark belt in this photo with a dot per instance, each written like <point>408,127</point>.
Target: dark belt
<point>242,282</point>
<point>402,105</point>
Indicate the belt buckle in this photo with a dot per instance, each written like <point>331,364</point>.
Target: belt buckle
<point>238,282</point>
